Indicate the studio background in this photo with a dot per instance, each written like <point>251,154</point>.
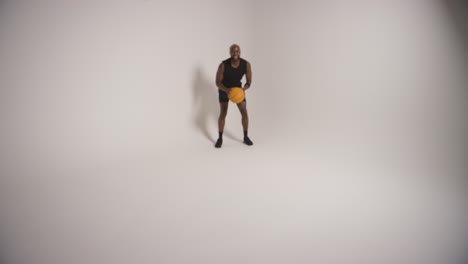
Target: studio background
<point>109,115</point>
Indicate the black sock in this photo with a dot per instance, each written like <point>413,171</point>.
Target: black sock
<point>245,133</point>
<point>220,134</point>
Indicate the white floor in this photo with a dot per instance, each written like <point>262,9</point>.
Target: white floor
<point>290,198</point>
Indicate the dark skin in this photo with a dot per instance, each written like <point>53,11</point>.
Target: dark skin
<point>235,62</point>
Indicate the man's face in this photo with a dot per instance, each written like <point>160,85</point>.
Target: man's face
<point>235,53</point>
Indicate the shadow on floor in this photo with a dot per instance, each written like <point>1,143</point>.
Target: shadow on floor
<point>206,106</point>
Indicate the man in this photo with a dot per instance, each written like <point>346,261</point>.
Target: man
<point>229,75</point>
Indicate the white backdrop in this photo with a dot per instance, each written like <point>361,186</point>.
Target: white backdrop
<point>109,109</point>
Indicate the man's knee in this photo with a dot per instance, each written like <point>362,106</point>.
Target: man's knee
<point>223,114</point>
<point>243,111</point>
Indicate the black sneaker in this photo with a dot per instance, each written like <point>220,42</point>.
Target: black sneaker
<point>219,142</point>
<point>247,141</point>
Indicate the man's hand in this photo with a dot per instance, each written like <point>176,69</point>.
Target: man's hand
<point>246,86</point>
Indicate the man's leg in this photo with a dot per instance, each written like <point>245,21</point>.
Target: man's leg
<point>221,121</point>
<point>245,121</point>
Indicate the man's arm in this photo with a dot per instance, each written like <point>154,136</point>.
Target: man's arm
<point>219,78</point>
<point>248,76</point>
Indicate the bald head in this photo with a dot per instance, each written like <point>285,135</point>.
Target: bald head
<point>234,46</point>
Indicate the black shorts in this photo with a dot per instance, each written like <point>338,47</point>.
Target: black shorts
<point>223,97</point>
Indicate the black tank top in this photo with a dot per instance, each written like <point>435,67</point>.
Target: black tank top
<point>233,76</point>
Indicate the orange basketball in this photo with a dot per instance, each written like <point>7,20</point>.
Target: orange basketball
<point>236,95</point>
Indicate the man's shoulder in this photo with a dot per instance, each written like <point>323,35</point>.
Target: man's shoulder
<point>245,61</point>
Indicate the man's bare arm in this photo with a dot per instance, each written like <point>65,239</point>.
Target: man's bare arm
<point>219,78</point>
<point>248,76</point>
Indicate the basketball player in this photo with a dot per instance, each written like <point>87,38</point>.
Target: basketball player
<point>229,75</point>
